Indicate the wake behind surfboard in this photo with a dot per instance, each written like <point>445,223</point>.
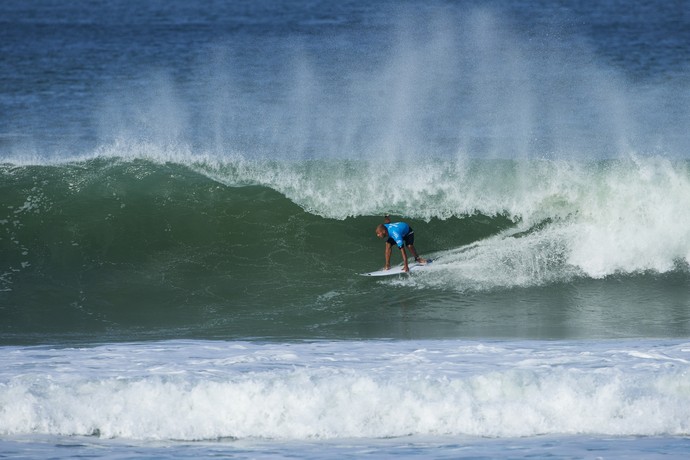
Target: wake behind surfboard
<point>398,270</point>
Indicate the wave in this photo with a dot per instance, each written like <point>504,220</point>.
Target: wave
<point>113,241</point>
<point>608,216</point>
<point>328,390</point>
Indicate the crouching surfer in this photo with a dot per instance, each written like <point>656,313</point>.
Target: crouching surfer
<point>401,235</point>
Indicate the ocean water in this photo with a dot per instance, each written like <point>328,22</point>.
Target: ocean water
<point>189,191</point>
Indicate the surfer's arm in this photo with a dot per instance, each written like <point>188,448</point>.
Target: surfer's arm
<point>388,256</point>
<point>406,268</point>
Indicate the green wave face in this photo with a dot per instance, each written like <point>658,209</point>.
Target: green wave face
<point>135,248</point>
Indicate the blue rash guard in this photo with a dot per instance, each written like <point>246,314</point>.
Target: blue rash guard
<point>400,233</point>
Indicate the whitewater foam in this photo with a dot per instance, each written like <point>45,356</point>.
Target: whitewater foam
<point>324,390</point>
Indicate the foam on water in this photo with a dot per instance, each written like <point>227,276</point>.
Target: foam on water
<point>324,390</point>
<point>593,218</point>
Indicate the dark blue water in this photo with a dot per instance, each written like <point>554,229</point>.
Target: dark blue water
<point>287,78</point>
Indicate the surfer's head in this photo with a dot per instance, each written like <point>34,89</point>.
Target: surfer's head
<point>382,231</point>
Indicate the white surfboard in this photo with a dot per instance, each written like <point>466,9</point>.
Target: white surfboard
<point>414,266</point>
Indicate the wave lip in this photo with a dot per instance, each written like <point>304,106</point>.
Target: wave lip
<point>327,390</point>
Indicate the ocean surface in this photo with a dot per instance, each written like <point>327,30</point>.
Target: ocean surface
<point>189,192</point>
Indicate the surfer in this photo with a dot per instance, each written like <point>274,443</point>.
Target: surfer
<point>398,234</point>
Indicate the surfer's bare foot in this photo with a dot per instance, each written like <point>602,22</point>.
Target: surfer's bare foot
<point>420,260</point>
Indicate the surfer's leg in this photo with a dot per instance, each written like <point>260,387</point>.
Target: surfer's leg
<point>409,242</point>
<point>414,254</point>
